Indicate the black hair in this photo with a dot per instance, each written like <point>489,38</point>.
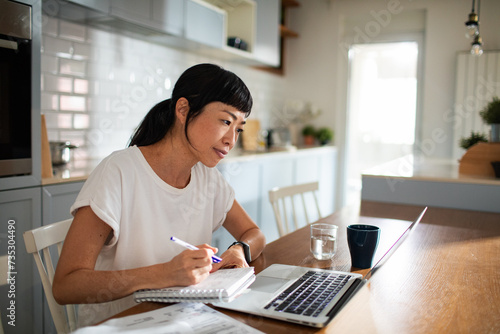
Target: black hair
<point>200,85</point>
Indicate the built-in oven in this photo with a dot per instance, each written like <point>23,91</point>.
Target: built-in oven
<point>15,88</point>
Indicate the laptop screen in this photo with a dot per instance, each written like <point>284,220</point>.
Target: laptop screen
<point>395,246</point>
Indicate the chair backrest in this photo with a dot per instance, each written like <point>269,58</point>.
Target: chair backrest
<point>4,275</point>
<point>280,197</point>
<point>38,242</point>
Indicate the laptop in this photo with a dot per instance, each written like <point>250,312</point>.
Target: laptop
<point>307,296</point>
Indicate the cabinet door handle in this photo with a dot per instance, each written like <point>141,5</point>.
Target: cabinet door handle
<point>8,44</point>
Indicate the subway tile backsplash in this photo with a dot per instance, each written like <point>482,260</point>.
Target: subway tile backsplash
<point>98,85</point>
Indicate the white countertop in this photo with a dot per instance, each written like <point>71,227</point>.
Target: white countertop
<point>429,169</point>
<point>79,169</point>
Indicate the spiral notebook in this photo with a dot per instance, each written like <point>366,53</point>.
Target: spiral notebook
<point>223,285</point>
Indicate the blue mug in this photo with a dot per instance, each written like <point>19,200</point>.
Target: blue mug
<point>362,241</point>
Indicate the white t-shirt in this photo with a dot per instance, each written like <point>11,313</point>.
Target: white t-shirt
<point>144,212</point>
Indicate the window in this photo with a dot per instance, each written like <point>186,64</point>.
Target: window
<point>382,102</point>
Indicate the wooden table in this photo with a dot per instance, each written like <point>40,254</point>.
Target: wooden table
<point>444,279</point>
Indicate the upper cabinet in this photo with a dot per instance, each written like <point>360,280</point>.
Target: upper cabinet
<point>239,25</point>
<point>277,65</point>
<point>252,30</point>
<point>99,5</point>
<point>205,24</point>
<point>168,15</point>
<point>159,15</point>
<point>245,31</point>
<point>267,39</point>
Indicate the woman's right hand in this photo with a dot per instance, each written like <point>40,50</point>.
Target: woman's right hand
<point>189,267</point>
<point>77,282</point>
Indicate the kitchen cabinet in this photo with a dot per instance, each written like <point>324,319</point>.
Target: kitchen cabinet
<point>57,200</point>
<point>327,178</point>
<point>138,12</point>
<point>205,23</point>
<point>200,26</point>
<point>147,17</point>
<point>239,22</point>
<point>78,10</point>
<point>253,177</point>
<point>20,211</point>
<point>267,39</point>
<point>98,5</point>
<point>277,172</point>
<point>284,33</point>
<point>168,16</point>
<point>307,169</point>
<point>242,176</point>
<point>308,165</point>
<point>160,15</point>
<point>257,24</point>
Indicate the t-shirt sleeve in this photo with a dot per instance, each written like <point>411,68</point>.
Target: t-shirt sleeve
<point>102,192</point>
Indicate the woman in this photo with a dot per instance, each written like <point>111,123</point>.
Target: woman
<point>162,185</point>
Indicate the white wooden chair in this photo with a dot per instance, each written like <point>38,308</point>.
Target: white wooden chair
<point>38,243</point>
<point>281,197</point>
<point>4,275</point>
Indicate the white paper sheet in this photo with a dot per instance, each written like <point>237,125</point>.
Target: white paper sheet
<point>178,318</point>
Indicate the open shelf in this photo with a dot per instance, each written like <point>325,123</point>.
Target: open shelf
<point>285,32</point>
<point>289,3</point>
<point>240,20</point>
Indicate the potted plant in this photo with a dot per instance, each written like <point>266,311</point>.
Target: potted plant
<point>491,115</point>
<point>309,134</point>
<point>473,139</point>
<point>324,135</point>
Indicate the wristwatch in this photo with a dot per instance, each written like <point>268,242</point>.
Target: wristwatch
<point>246,249</point>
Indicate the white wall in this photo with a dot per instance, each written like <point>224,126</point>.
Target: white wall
<point>317,62</point>
<point>103,114</point>
<point>98,85</point>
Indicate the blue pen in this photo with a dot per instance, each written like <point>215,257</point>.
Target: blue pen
<point>215,259</point>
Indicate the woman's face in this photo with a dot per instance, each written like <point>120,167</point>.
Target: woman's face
<point>214,132</point>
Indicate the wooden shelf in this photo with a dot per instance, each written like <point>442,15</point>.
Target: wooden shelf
<point>289,3</point>
<point>287,33</point>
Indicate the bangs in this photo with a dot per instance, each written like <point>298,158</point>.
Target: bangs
<point>238,96</point>
<point>229,89</point>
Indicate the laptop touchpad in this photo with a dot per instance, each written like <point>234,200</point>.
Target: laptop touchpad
<point>267,284</point>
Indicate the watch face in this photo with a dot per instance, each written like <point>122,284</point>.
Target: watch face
<point>246,249</point>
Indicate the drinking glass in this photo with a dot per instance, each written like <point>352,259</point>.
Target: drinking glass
<point>323,240</point>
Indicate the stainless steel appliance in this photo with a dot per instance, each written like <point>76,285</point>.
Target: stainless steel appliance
<point>60,152</point>
<point>15,88</point>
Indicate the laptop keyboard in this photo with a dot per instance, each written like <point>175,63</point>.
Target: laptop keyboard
<point>310,294</point>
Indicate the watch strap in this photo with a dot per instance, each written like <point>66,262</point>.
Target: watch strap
<point>246,250</point>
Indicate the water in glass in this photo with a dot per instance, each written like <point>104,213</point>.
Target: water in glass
<point>323,247</point>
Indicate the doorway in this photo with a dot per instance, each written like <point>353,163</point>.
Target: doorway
<point>382,108</point>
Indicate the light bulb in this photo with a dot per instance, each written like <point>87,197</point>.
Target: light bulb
<point>477,46</point>
<point>476,50</point>
<point>472,31</point>
<point>472,26</point>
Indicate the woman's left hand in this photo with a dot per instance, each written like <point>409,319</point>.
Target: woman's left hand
<point>232,258</point>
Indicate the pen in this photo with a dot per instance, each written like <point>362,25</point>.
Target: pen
<point>215,259</point>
